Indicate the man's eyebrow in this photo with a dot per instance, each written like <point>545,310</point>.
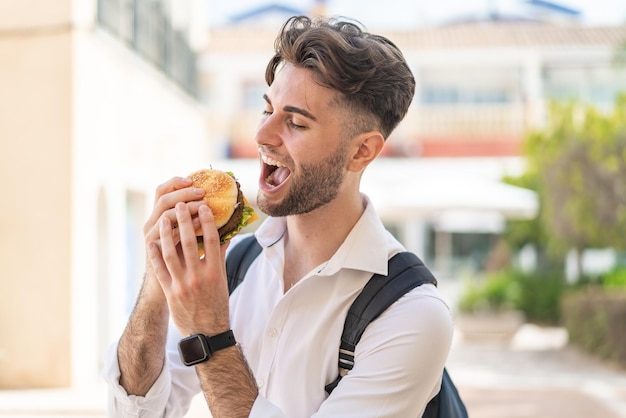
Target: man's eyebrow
<point>293,109</point>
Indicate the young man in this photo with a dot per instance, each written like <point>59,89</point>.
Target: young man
<point>335,94</point>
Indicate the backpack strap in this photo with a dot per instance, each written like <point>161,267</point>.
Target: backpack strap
<point>406,271</point>
<point>239,259</point>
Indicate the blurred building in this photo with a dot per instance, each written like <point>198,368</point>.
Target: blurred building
<point>97,106</point>
<point>482,83</point>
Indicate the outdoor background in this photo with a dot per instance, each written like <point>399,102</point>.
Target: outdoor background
<point>507,177</point>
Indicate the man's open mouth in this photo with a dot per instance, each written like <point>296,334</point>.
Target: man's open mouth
<point>274,172</point>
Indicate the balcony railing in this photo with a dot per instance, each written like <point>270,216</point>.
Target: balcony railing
<point>145,27</point>
<point>510,118</point>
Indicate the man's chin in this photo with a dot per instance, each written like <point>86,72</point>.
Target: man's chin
<point>263,205</point>
<point>276,209</point>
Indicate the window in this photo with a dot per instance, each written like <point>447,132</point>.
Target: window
<point>253,95</point>
<point>473,85</point>
<point>597,85</point>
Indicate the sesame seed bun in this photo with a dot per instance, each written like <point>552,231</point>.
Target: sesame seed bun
<point>230,209</point>
<point>221,193</point>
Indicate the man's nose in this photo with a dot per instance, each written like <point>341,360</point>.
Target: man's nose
<point>268,132</point>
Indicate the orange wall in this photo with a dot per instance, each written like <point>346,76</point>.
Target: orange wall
<point>35,165</point>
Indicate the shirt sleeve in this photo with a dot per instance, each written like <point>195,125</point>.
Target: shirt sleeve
<point>398,368</point>
<point>262,408</point>
<point>163,399</point>
<point>170,395</point>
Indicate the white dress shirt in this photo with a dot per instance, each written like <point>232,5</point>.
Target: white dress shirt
<point>291,340</point>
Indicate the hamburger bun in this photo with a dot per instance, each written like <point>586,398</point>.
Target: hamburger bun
<point>224,197</point>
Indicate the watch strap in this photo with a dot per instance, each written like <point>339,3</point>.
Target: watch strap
<point>221,341</point>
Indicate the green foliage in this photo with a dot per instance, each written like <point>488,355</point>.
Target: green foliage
<point>495,293</point>
<point>536,295</point>
<point>526,231</point>
<point>615,279</point>
<point>520,232</point>
<point>596,321</point>
<point>578,166</point>
<point>540,296</point>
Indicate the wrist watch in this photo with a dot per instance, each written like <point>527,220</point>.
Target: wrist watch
<point>198,348</point>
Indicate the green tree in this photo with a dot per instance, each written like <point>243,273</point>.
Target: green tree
<point>579,163</point>
<point>520,232</point>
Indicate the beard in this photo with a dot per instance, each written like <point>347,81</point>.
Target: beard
<point>314,186</point>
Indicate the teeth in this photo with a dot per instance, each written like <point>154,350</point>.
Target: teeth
<point>270,161</point>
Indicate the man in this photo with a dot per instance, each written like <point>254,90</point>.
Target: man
<point>335,94</point>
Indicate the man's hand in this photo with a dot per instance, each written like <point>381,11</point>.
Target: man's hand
<point>195,288</point>
<point>196,291</point>
<point>141,350</point>
<point>167,195</point>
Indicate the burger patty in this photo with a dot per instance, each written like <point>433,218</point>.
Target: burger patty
<point>234,220</point>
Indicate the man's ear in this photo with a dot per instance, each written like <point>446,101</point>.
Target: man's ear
<point>367,146</point>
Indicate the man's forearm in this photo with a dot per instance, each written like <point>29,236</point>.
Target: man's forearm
<point>228,384</point>
<point>141,349</point>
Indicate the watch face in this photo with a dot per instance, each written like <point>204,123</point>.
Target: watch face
<point>193,350</point>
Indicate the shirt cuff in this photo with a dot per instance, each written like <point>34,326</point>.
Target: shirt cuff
<point>262,408</point>
<point>121,404</point>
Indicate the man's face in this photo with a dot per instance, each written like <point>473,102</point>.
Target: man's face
<point>302,150</point>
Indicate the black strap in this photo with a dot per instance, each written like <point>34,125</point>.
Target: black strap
<point>239,259</point>
<point>406,271</point>
<point>450,404</point>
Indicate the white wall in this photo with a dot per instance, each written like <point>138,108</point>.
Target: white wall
<point>132,130</point>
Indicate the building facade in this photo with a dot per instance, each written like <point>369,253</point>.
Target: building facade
<point>88,127</point>
<point>481,87</point>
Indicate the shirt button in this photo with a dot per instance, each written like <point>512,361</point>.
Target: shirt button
<point>260,383</point>
<point>272,332</point>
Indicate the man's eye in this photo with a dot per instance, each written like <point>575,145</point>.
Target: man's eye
<point>295,125</point>
<point>266,113</point>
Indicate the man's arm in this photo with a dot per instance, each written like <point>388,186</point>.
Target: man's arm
<point>228,384</point>
<point>141,349</point>
<point>197,297</point>
<point>399,360</point>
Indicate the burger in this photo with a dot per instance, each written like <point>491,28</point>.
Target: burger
<point>223,195</point>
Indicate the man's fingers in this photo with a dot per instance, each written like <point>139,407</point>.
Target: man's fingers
<point>193,211</point>
<point>210,235</point>
<point>158,265</point>
<point>153,234</point>
<point>168,194</point>
<point>168,201</point>
<point>171,185</point>
<point>168,248</point>
<point>188,240</point>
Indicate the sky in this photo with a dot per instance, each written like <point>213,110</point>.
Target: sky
<point>411,13</point>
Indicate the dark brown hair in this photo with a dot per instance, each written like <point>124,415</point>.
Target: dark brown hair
<point>368,70</point>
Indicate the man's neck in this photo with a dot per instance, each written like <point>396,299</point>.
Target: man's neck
<point>313,238</point>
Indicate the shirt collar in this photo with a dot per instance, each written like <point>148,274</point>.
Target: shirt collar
<point>365,248</point>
